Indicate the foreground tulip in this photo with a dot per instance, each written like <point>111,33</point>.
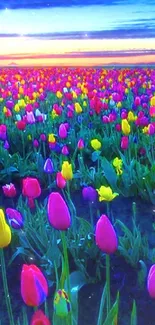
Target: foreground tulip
<point>151,282</point>
<point>66,171</point>
<point>106,240</point>
<point>5,232</point>
<point>105,235</point>
<point>58,212</point>
<point>39,318</point>
<point>15,218</point>
<point>34,288</point>
<point>62,305</point>
<point>105,194</point>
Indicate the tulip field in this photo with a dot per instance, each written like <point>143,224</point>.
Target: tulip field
<point>77,196</point>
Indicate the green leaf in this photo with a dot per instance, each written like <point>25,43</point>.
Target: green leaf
<point>109,173</point>
<point>134,314</point>
<point>20,250</point>
<point>9,171</point>
<point>102,306</point>
<point>112,317</point>
<point>77,281</point>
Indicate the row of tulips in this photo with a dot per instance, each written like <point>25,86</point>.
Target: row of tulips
<point>60,113</point>
<point>34,286</point>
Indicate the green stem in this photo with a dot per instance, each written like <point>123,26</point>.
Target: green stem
<point>44,150</point>
<point>23,144</point>
<point>66,268</point>
<point>6,290</point>
<point>66,263</point>
<point>108,210</point>
<point>108,282</point>
<point>91,215</point>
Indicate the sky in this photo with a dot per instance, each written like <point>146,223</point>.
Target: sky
<point>75,32</point>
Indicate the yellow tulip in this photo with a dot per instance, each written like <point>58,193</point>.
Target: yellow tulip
<point>54,114</point>
<point>106,194</point>
<point>59,94</point>
<point>95,144</point>
<point>131,116</point>
<point>152,101</point>
<point>78,108</point>
<point>119,104</point>
<point>125,127</point>
<point>5,232</point>
<point>74,94</point>
<point>66,171</point>
<point>17,108</point>
<point>51,138</point>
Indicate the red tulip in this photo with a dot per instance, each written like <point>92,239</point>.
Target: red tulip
<point>34,288</point>
<point>31,188</point>
<point>60,180</point>
<point>151,281</point>
<point>39,318</point>
<point>58,212</point>
<point>9,190</point>
<point>21,125</point>
<point>106,238</point>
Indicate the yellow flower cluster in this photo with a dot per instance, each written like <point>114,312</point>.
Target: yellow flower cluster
<point>117,163</point>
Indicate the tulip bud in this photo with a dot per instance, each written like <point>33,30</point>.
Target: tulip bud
<point>60,180</point>
<point>124,143</point>
<point>62,305</point>
<point>58,212</point>
<point>106,238</point>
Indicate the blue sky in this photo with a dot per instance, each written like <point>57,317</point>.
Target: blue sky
<point>93,19</point>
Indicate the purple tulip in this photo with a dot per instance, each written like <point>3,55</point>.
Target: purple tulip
<point>89,193</point>
<point>15,218</point>
<point>48,166</point>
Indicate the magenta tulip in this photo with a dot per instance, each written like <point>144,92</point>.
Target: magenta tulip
<point>151,281</point>
<point>106,238</point>
<point>62,131</point>
<point>58,212</point>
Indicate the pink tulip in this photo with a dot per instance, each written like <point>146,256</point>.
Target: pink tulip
<point>62,131</point>
<point>151,281</point>
<point>124,142</point>
<point>151,129</point>
<point>152,111</point>
<point>65,150</point>
<point>80,144</point>
<point>60,181</point>
<point>58,212</point>
<point>106,238</point>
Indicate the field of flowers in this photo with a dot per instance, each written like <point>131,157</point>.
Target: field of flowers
<point>71,137</point>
